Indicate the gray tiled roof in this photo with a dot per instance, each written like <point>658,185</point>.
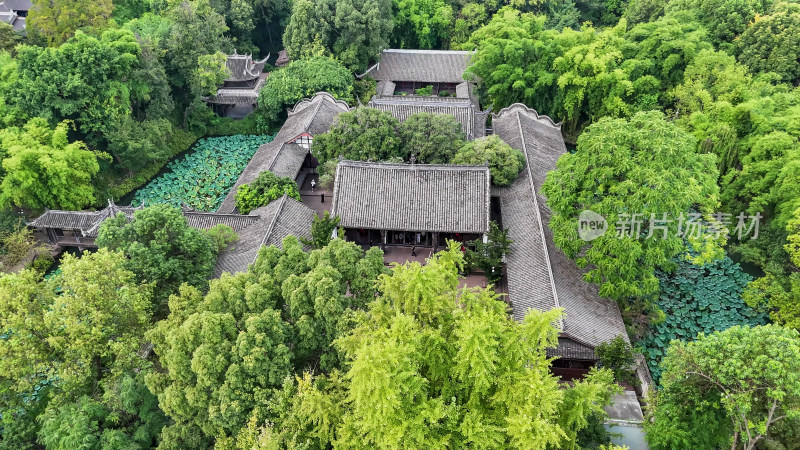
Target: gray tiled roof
<point>280,218</point>
<point>402,107</point>
<point>17,5</point>
<point>412,197</point>
<point>86,222</point>
<point>425,66</point>
<point>207,220</point>
<point>312,116</point>
<point>590,319</point>
<point>244,68</point>
<point>12,18</point>
<point>237,96</point>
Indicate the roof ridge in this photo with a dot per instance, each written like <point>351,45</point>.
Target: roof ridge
<point>275,156</point>
<point>516,107</point>
<point>539,219</point>
<point>408,166</point>
<point>434,52</point>
<point>272,224</point>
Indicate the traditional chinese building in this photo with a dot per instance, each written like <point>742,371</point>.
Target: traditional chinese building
<point>400,73</point>
<point>15,12</point>
<point>267,225</point>
<point>419,205</point>
<point>242,86</point>
<point>279,219</point>
<point>290,152</point>
<point>540,276</point>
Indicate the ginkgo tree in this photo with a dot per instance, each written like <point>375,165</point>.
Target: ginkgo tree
<point>432,366</point>
<point>44,170</point>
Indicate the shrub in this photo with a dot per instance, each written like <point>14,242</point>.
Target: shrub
<point>42,261</point>
<point>433,138</point>
<point>505,162</point>
<point>427,90</point>
<point>221,236</point>
<point>490,256</point>
<point>361,134</point>
<point>617,355</point>
<point>15,245</point>
<point>264,189</point>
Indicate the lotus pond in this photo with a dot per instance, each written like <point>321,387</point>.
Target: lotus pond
<point>203,177</point>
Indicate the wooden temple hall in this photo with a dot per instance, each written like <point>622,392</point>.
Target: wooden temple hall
<point>420,205</point>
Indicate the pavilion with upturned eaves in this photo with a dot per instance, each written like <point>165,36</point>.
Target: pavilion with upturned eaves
<point>241,88</point>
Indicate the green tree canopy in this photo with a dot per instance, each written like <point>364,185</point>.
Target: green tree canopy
<point>58,20</point>
<point>322,229</point>
<point>264,189</point>
<point>615,158</point>
<point>778,293</point>
<point>490,256</point>
<point>210,73</point>
<point>90,84</point>
<point>224,354</point>
<point>72,343</point>
<point>160,248</point>
<point>725,20</point>
<point>665,47</point>
<point>430,365</point>
<point>709,388</point>
<point>771,43</point>
<point>432,138</point>
<point>422,24</point>
<point>574,76</point>
<point>360,135</point>
<point>195,29</point>
<point>355,32</point>
<point>43,170</point>
<point>302,79</point>
<point>505,163</point>
<point>8,38</point>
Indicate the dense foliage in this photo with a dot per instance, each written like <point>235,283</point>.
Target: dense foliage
<point>490,256</point>
<point>264,189</point>
<point>430,365</point>
<point>431,138</point>
<point>202,179</point>
<point>709,389</point>
<point>615,158</point>
<point>70,346</point>
<point>43,169</point>
<point>352,31</point>
<point>304,351</point>
<point>505,163</point>
<point>360,135</point>
<point>225,353</point>
<point>160,248</point>
<point>302,79</point>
